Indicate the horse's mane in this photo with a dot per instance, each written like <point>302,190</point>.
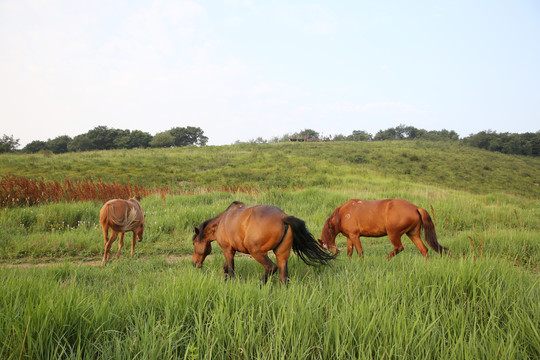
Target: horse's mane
<point>331,230</point>
<point>202,227</point>
<point>205,223</point>
<point>235,204</point>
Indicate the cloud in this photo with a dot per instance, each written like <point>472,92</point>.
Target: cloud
<point>311,19</point>
<point>377,108</point>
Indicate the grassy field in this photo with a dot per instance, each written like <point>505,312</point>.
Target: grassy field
<point>482,302</point>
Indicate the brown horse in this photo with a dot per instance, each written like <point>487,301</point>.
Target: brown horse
<point>121,216</point>
<point>376,218</point>
<point>256,230</point>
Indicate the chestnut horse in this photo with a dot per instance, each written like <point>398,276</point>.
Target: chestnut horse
<point>121,216</point>
<point>256,230</point>
<point>376,218</point>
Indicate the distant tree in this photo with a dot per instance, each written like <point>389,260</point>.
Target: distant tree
<point>139,139</point>
<point>80,143</point>
<point>388,134</point>
<point>507,143</point>
<point>8,144</point>
<point>59,145</point>
<point>188,136</point>
<point>359,135</point>
<point>35,146</point>
<point>258,140</point>
<point>122,141</point>
<point>309,134</point>
<point>442,135</point>
<point>163,139</point>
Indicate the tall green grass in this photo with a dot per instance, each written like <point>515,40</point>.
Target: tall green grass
<point>407,308</point>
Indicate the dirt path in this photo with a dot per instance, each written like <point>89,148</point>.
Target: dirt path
<point>21,263</point>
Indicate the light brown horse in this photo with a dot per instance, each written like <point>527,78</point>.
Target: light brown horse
<point>376,218</point>
<point>256,230</point>
<point>121,216</point>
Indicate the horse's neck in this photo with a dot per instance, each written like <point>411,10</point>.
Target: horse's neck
<point>329,231</point>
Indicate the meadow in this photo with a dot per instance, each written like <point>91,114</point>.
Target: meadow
<point>480,302</point>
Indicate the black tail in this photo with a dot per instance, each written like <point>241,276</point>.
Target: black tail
<point>304,244</point>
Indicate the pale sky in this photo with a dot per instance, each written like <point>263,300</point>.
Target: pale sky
<point>246,69</point>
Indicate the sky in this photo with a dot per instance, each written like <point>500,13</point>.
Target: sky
<point>242,69</point>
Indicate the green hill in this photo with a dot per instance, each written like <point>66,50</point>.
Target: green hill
<point>337,165</point>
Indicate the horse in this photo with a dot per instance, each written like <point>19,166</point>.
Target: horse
<point>121,216</point>
<point>376,218</point>
<point>256,230</point>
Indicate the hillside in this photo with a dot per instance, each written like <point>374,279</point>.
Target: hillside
<point>480,302</point>
<point>286,165</point>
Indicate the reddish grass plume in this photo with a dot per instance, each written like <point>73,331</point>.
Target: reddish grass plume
<point>21,191</point>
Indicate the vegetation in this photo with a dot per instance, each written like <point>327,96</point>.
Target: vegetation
<point>290,165</point>
<point>482,301</point>
<point>103,138</point>
<point>8,143</point>
<point>506,143</point>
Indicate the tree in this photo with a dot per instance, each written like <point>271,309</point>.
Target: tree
<point>163,139</point>
<point>35,146</point>
<point>188,136</point>
<point>359,135</point>
<point>388,134</point>
<point>80,143</point>
<point>309,134</point>
<point>8,144</point>
<point>59,145</point>
<point>139,139</point>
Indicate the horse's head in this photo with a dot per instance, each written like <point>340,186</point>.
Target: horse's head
<point>139,232</point>
<point>330,247</point>
<point>202,246</point>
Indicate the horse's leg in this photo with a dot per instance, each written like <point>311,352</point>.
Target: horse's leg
<point>355,239</point>
<point>120,245</point>
<point>133,242</point>
<point>414,235</point>
<point>282,257</point>
<point>395,238</point>
<point>269,266</point>
<point>349,248</point>
<point>107,253</point>
<point>105,230</point>
<point>228,268</point>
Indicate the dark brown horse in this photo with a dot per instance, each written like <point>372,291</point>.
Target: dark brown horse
<point>256,230</point>
<point>376,218</point>
<point>121,216</point>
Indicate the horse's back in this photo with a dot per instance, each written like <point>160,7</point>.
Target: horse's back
<point>246,228</point>
<point>376,217</point>
<point>116,213</point>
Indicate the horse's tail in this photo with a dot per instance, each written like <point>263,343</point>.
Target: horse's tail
<point>126,223</point>
<point>429,232</point>
<point>304,244</point>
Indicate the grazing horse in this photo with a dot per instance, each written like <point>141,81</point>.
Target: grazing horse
<point>376,218</point>
<point>256,230</point>
<point>121,216</point>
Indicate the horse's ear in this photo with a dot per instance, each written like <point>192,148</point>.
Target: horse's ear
<point>196,230</point>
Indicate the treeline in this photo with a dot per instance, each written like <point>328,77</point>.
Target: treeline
<point>104,138</point>
<point>507,143</point>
